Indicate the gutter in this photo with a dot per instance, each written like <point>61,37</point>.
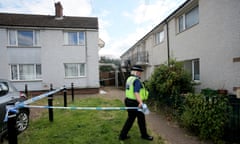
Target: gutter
<point>168,49</point>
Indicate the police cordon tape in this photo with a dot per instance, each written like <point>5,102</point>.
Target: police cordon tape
<point>84,108</point>
<point>14,108</point>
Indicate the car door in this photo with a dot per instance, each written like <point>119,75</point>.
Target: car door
<point>4,90</point>
<point>8,94</point>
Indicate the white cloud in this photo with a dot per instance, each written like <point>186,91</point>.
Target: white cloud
<point>76,7</point>
<point>152,13</point>
<point>46,7</point>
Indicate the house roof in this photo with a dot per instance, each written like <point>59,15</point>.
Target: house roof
<point>27,20</point>
<point>162,22</point>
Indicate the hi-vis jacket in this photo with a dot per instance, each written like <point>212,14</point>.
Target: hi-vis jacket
<point>130,89</point>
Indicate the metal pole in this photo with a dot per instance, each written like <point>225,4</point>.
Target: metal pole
<point>26,90</point>
<point>72,88</point>
<point>11,124</point>
<point>50,104</point>
<point>65,96</point>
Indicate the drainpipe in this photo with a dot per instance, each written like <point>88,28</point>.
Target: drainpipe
<point>168,49</point>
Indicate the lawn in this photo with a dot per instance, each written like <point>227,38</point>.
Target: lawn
<point>82,126</point>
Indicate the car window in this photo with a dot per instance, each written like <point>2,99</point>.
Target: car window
<point>3,88</point>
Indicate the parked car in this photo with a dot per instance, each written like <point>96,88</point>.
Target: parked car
<point>10,95</point>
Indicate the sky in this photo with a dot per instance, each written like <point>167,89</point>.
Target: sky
<point>121,22</point>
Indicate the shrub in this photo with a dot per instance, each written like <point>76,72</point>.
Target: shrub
<point>206,115</point>
<point>169,81</point>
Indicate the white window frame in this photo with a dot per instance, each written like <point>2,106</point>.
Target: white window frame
<point>159,37</point>
<point>36,75</point>
<point>14,34</point>
<point>183,21</point>
<point>194,73</point>
<point>78,68</point>
<point>79,40</point>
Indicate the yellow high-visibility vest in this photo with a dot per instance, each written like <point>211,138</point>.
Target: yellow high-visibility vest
<point>130,89</point>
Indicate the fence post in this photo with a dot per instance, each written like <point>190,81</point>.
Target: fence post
<point>65,96</point>
<point>26,90</point>
<point>72,88</point>
<point>50,104</point>
<point>11,124</point>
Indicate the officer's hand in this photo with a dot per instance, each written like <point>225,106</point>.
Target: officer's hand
<point>140,105</point>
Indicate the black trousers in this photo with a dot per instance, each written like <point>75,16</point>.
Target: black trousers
<point>132,114</point>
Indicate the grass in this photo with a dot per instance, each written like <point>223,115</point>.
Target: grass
<point>82,126</point>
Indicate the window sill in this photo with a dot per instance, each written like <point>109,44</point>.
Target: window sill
<point>74,45</point>
<point>37,80</point>
<point>75,77</point>
<point>23,46</point>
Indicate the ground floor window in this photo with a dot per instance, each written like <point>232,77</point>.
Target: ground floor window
<point>193,67</point>
<point>26,71</point>
<point>74,69</point>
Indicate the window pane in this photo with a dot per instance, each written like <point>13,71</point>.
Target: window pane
<point>196,70</point>
<point>180,22</point>
<point>71,70</point>
<point>161,36</point>
<point>157,38</point>
<point>26,72</point>
<point>38,71</point>
<point>188,66</point>
<point>192,17</point>
<point>36,38</point>
<point>12,37</point>
<point>14,72</point>
<point>82,69</point>
<point>72,38</point>
<point>81,38</point>
<point>25,38</point>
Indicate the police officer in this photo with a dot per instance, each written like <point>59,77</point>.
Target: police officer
<point>133,99</point>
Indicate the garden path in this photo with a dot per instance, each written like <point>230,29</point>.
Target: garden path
<point>159,124</point>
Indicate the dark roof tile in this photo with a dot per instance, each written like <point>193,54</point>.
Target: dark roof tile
<point>26,20</point>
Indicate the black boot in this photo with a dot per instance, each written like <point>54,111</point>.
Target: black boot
<point>147,137</point>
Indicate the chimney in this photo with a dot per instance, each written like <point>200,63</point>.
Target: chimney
<point>58,10</point>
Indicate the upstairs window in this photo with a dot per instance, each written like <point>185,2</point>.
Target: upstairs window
<point>25,38</point>
<point>159,37</point>
<point>188,19</point>
<point>26,71</point>
<point>74,38</point>
<point>193,67</point>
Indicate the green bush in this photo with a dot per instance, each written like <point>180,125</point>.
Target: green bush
<point>206,115</point>
<point>167,83</point>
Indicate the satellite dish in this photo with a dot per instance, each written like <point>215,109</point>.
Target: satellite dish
<point>101,43</point>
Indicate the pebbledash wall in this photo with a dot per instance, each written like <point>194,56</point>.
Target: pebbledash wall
<point>214,41</point>
<point>51,51</point>
<point>52,55</point>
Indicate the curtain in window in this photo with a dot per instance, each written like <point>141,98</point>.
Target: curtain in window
<point>196,70</point>
<point>71,70</point>
<point>82,70</point>
<point>38,71</point>
<point>14,72</point>
<point>26,72</point>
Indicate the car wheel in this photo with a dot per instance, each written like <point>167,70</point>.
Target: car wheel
<point>22,121</point>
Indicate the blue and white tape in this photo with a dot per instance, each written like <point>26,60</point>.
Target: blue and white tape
<point>14,108</point>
